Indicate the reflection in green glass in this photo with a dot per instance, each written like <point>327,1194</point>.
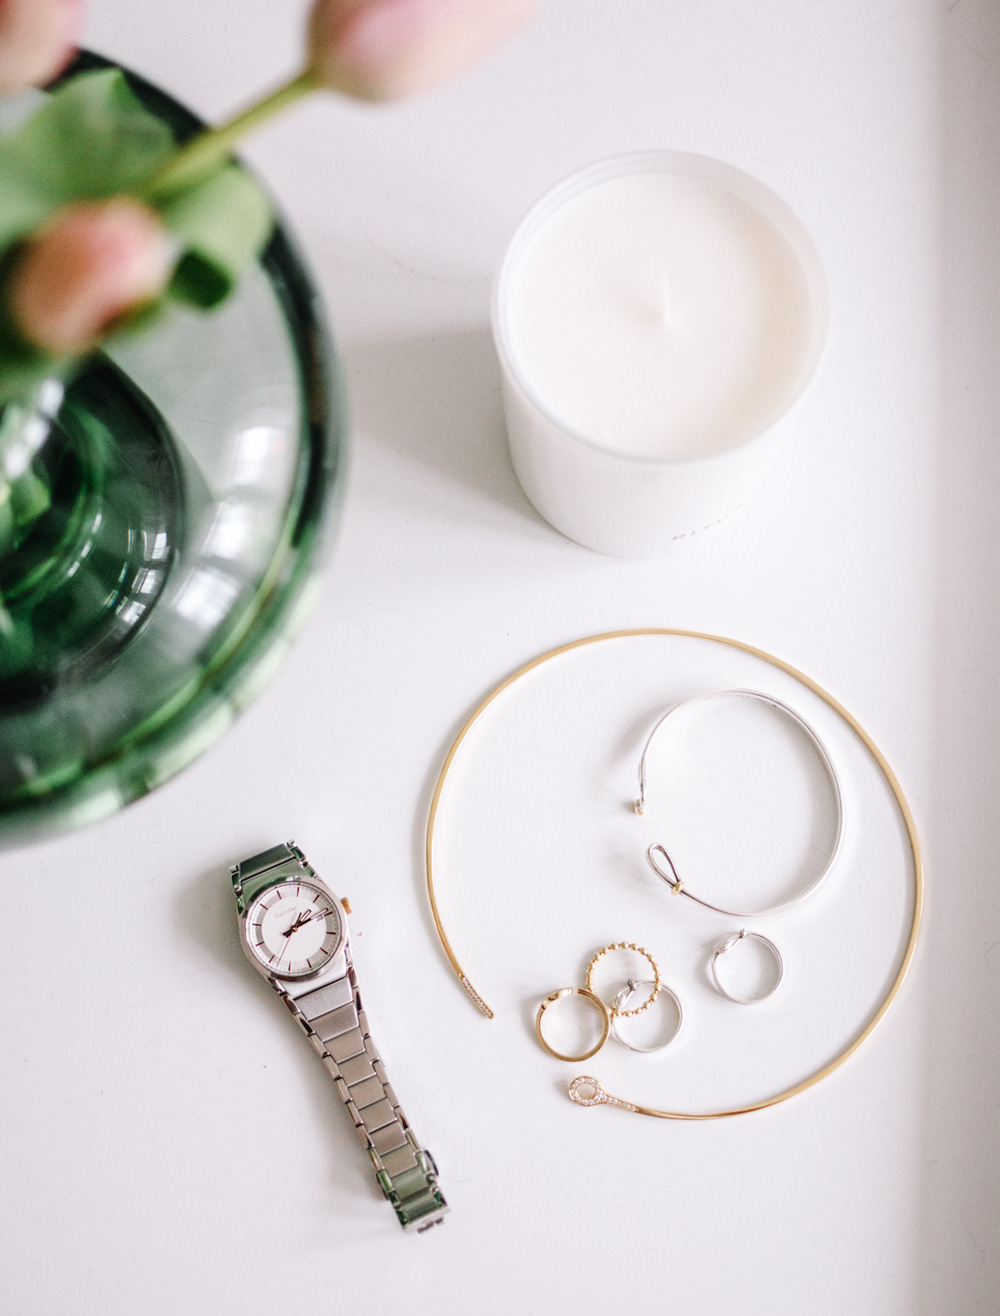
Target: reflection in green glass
<point>93,553</point>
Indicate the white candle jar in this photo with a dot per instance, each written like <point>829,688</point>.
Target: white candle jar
<point>657,316</point>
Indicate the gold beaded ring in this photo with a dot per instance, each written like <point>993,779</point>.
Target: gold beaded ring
<point>615,1010</point>
<point>587,995</point>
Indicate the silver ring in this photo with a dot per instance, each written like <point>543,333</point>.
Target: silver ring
<point>727,945</point>
<point>671,878</point>
<point>617,1013</point>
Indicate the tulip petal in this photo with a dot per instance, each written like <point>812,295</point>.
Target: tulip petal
<point>382,49</point>
<point>36,39</point>
<point>87,267</point>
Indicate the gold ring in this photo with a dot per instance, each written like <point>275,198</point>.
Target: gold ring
<point>587,996</point>
<point>640,950</point>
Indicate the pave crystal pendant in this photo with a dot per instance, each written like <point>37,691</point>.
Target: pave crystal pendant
<point>587,1091</point>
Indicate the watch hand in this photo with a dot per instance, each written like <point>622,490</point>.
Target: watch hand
<point>304,918</point>
<point>316,913</point>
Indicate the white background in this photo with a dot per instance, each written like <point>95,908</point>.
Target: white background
<point>168,1142</point>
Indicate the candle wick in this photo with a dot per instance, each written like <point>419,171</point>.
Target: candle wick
<point>665,308</point>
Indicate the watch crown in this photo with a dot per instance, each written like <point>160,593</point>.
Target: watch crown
<point>347,905</point>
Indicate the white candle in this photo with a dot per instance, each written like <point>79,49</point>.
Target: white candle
<point>655,316</point>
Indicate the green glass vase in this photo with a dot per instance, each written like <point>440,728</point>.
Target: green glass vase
<point>162,519</point>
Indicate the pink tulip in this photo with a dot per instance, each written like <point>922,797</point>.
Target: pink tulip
<point>381,49</point>
<point>36,39</point>
<point>92,263</point>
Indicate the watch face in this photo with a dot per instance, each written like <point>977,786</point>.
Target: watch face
<point>293,929</point>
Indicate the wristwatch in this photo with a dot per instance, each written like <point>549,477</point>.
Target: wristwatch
<point>294,930</point>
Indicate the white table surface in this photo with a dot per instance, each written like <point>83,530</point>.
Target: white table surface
<point>168,1142</point>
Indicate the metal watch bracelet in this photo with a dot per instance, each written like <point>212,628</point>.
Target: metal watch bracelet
<point>332,1016</point>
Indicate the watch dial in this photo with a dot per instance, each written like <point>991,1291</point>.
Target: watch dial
<point>293,929</point>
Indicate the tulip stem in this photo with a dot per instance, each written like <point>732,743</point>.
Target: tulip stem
<point>205,151</point>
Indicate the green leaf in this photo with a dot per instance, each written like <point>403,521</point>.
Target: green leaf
<point>25,203</point>
<point>222,223</point>
<point>92,138</point>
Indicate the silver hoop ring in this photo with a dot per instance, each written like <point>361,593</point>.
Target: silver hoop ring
<point>656,852</point>
<point>724,947</point>
<point>617,1012</point>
